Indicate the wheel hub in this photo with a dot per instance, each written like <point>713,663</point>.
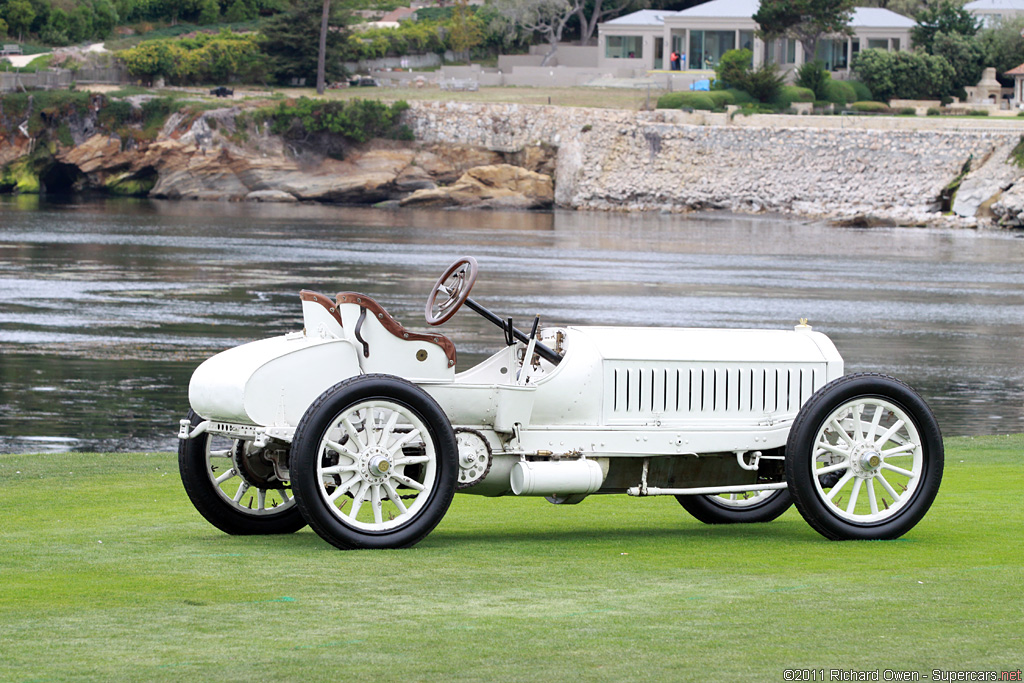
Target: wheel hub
<point>254,467</point>
<point>865,461</point>
<point>375,464</point>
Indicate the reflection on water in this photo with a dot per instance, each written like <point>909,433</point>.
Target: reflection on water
<point>106,307</point>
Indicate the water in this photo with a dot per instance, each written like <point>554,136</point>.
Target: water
<point>107,306</point>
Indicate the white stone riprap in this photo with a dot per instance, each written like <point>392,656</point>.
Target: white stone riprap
<point>668,161</point>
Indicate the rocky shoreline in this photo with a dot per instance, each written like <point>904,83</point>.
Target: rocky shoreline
<point>535,157</point>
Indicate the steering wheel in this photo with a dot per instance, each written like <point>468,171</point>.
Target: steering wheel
<point>454,284</point>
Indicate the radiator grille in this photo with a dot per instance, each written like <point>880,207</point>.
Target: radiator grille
<point>638,391</point>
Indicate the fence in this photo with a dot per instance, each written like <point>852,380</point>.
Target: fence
<point>51,79</point>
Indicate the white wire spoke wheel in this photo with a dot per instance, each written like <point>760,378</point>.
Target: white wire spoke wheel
<point>234,487</point>
<point>374,463</point>
<point>864,458</point>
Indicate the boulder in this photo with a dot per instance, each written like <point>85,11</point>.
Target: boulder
<point>498,186</point>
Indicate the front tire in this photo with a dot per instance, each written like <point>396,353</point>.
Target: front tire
<point>374,463</point>
<point>864,458</point>
<point>232,488</point>
<point>738,508</point>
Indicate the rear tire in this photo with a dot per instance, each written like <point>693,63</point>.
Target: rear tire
<point>738,508</point>
<point>235,502</point>
<point>882,439</point>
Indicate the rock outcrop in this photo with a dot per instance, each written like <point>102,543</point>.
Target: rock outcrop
<point>500,186</point>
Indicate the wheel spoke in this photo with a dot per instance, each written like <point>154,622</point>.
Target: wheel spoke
<point>884,439</point>
<point>378,517</point>
<point>406,438</point>
<point>839,484</point>
<point>221,454</point>
<point>851,506</point>
<point>870,436</point>
<point>261,499</point>
<point>357,500</point>
<point>385,432</point>
<point>344,488</point>
<point>872,500</point>
<point>395,498</point>
<point>897,470</point>
<point>242,488</point>
<point>224,477</point>
<point>828,469</point>
<point>834,424</point>
<point>888,488</point>
<point>339,469</point>
<point>352,434</point>
<point>855,417</point>
<point>412,460</point>
<point>834,450</point>
<point>407,482</point>
<point>906,449</point>
<point>340,449</point>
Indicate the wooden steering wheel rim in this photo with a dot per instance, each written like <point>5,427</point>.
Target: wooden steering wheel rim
<point>449,308</point>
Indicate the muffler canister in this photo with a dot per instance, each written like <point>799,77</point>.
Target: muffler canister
<point>556,478</point>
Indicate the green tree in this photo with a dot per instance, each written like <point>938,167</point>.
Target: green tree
<point>239,10</point>
<point>151,59</point>
<point>209,12</point>
<point>905,75</point>
<point>465,30</point>
<point>733,69</point>
<point>291,42</point>
<point>104,18</point>
<point>3,28</point>
<point>20,15</point>
<point>804,20</point>
<point>943,17</point>
<point>1003,46</point>
<point>546,17</point>
<point>593,12</point>
<point>57,29</point>
<point>812,75</point>
<point>965,55</point>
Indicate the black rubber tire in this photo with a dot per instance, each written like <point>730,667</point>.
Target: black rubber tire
<point>711,510</point>
<point>306,451</point>
<point>800,458</point>
<point>202,491</point>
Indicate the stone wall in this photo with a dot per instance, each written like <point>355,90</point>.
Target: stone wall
<point>671,161</point>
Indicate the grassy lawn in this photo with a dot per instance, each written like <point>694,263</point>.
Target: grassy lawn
<point>107,573</point>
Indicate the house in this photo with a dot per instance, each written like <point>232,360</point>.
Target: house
<point>992,11</point>
<point>702,34</point>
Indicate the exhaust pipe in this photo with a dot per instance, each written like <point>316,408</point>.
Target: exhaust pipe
<point>548,478</point>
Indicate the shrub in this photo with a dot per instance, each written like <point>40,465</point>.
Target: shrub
<point>721,98</point>
<point>841,92</point>
<point>935,111</point>
<point>355,120</point>
<point>740,97</point>
<point>733,70</point>
<point>765,83</point>
<point>870,107</point>
<point>978,112</point>
<point>812,75</point>
<point>906,111</point>
<point>788,94</point>
<point>909,75</point>
<point>863,92</point>
<point>687,100</point>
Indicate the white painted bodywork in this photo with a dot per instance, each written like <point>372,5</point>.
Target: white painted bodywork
<point>617,393</point>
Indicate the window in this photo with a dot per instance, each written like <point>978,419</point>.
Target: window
<point>624,47</point>
<point>707,47</point>
<point>878,44</point>
<point>896,44</point>
<point>629,47</point>
<point>832,53</point>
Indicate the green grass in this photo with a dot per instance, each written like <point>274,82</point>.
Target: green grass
<point>109,574</point>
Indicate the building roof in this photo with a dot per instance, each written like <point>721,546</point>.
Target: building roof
<point>743,9</point>
<point>876,17</point>
<point>995,5</point>
<point>1015,71</point>
<point>863,17</point>
<point>644,17</point>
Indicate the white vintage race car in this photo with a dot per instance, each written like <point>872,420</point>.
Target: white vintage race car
<point>364,430</point>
